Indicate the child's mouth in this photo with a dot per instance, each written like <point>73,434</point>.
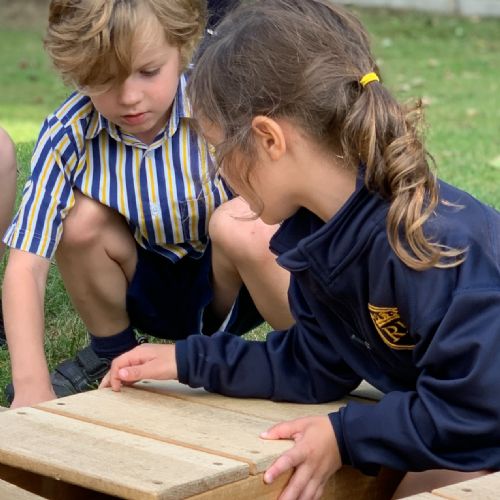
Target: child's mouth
<point>134,119</point>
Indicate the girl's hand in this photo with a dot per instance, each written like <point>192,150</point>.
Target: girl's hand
<point>153,361</point>
<point>315,456</point>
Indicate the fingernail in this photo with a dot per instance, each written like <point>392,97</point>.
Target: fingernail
<point>123,373</point>
<point>268,479</point>
<point>264,434</point>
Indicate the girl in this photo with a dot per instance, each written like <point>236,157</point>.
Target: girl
<point>395,274</point>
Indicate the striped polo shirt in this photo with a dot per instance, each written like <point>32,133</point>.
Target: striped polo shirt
<point>166,191</point>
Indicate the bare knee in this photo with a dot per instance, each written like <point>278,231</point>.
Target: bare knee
<point>237,235</point>
<point>83,226</point>
<point>7,156</point>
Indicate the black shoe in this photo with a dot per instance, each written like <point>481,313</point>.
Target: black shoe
<point>83,373</point>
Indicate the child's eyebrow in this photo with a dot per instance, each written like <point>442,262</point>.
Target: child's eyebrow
<point>150,64</point>
<point>154,61</point>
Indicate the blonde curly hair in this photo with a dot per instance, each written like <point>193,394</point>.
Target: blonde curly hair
<point>89,41</point>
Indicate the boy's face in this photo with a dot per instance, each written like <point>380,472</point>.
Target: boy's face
<point>141,104</point>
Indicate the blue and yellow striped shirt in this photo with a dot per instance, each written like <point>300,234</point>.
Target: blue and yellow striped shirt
<point>166,191</point>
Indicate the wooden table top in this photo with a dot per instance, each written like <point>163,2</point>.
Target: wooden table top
<point>158,440</point>
<point>164,440</point>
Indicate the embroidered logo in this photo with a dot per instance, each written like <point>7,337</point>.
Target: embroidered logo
<point>390,327</point>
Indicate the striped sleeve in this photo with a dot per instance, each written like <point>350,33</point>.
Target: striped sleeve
<point>48,194</point>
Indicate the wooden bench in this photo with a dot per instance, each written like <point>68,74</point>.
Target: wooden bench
<point>9,491</point>
<point>163,440</point>
<point>159,440</point>
<point>480,488</point>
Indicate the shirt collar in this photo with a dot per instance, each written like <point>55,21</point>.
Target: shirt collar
<point>97,123</point>
<point>181,108</point>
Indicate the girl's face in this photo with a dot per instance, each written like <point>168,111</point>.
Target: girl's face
<point>269,193</point>
<point>141,104</point>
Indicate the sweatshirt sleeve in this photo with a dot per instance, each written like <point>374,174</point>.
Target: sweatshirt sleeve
<point>451,420</point>
<point>297,365</point>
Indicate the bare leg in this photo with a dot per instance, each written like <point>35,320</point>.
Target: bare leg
<point>419,482</point>
<point>241,255</point>
<point>7,183</point>
<point>97,259</point>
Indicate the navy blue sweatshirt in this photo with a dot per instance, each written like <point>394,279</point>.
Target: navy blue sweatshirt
<point>429,340</point>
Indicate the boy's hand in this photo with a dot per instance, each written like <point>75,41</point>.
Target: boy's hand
<point>315,456</point>
<point>153,361</point>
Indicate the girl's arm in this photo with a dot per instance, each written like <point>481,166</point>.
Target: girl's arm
<point>451,420</point>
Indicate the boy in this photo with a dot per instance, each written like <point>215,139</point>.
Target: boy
<point>121,193</point>
<point>8,182</point>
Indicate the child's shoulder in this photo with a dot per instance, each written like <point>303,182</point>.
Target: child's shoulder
<point>72,118</point>
<point>76,107</point>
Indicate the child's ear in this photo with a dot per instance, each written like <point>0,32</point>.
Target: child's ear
<point>269,135</point>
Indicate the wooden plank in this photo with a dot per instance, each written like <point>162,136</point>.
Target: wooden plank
<point>48,487</point>
<point>164,418</point>
<point>173,420</point>
<point>270,410</point>
<point>346,484</point>
<point>108,460</point>
<point>483,488</point>
<point>251,488</point>
<point>12,492</point>
<point>423,496</point>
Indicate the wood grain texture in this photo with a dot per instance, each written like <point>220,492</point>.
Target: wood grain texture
<point>480,488</point>
<point>423,496</point>
<point>263,408</point>
<point>109,460</point>
<point>172,420</point>
<point>11,492</point>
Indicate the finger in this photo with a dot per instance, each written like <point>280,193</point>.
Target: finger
<point>283,430</point>
<point>313,490</point>
<point>299,486</point>
<point>112,378</point>
<point>290,459</point>
<point>105,382</point>
<point>132,374</point>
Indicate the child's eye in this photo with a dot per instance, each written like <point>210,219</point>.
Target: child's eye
<point>150,72</point>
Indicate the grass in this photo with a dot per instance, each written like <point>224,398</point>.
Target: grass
<point>451,62</point>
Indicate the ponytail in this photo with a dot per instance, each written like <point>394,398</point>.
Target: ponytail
<point>386,137</point>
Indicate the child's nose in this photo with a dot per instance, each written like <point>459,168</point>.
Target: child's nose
<point>130,93</point>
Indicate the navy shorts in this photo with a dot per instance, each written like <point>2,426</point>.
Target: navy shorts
<point>169,299</point>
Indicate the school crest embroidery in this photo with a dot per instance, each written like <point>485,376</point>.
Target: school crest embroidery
<point>390,327</point>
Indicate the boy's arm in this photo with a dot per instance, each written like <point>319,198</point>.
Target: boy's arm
<point>23,308</point>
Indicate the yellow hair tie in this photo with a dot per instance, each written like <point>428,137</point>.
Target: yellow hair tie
<point>369,78</point>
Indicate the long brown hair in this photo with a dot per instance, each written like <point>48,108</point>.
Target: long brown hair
<point>303,60</point>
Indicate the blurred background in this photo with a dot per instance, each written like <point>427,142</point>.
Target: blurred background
<point>446,52</point>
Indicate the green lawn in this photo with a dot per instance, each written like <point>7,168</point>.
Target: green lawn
<point>452,63</point>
